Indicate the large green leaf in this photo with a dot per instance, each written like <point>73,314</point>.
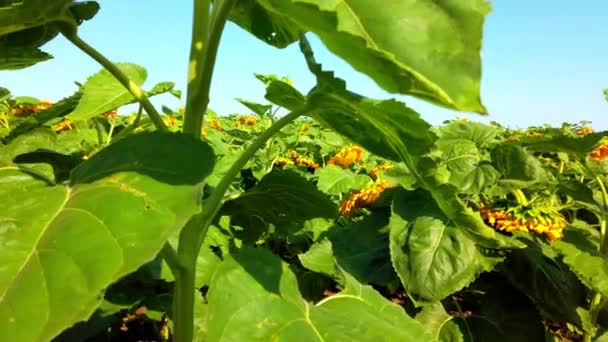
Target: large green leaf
<point>580,254</point>
<point>335,180</point>
<point>272,28</point>
<point>63,245</point>
<point>60,108</point>
<point>27,25</point>
<point>425,48</point>
<point>506,315</point>
<point>360,248</point>
<point>320,258</point>
<point>281,197</point>
<point>467,171</point>
<point>257,108</point>
<point>281,93</point>
<point>19,58</point>
<point>102,92</point>
<point>480,134</point>
<point>21,15</point>
<point>255,296</point>
<point>439,324</point>
<point>431,256</point>
<point>560,142</point>
<point>40,138</point>
<point>517,166</point>
<point>548,283</point>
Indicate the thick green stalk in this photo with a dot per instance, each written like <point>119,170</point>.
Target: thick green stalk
<point>203,51</point>
<point>172,259</point>
<point>213,204</point>
<point>604,214</point>
<point>120,76</point>
<point>184,294</point>
<point>192,235</point>
<point>520,197</point>
<point>198,50</point>
<point>597,301</point>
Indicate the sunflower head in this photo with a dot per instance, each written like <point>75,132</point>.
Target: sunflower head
<point>528,220</point>
<point>585,130</point>
<point>600,153</point>
<point>63,126</point>
<point>364,198</point>
<point>374,172</point>
<point>347,156</point>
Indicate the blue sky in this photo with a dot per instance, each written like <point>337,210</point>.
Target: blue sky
<point>543,61</point>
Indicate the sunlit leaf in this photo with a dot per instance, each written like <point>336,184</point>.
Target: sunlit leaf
<point>432,257</point>
<point>255,296</point>
<point>115,214</point>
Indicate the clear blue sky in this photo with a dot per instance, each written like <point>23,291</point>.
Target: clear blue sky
<point>543,61</point>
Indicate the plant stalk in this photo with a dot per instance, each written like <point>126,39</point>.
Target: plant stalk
<point>597,301</point>
<point>194,232</point>
<point>213,204</point>
<point>133,88</point>
<point>603,236</point>
<point>172,259</point>
<point>185,287</point>
<point>520,197</point>
<point>203,52</point>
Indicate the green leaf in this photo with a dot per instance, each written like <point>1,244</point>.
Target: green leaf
<point>59,109</point>
<point>436,323</point>
<point>5,94</point>
<point>29,24</point>
<point>335,180</point>
<point>451,332</point>
<point>255,296</point>
<point>432,257</point>
<point>281,197</point>
<point>424,48</point>
<point>548,283</point>
<point>481,177</point>
<point>361,248</point>
<point>559,142</point>
<point>62,164</point>
<point>20,58</point>
<point>515,164</point>
<point>258,108</point>
<point>604,336</point>
<point>467,171</point>
<point>21,15</point>
<point>577,191</point>
<point>84,10</point>
<point>506,315</point>
<point>320,258</point>
<point>480,134</point>
<point>401,175</point>
<point>222,166</point>
<point>40,138</point>
<point>586,262</point>
<point>161,88</point>
<point>281,93</point>
<point>102,92</point>
<point>63,245</point>
<point>270,27</point>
